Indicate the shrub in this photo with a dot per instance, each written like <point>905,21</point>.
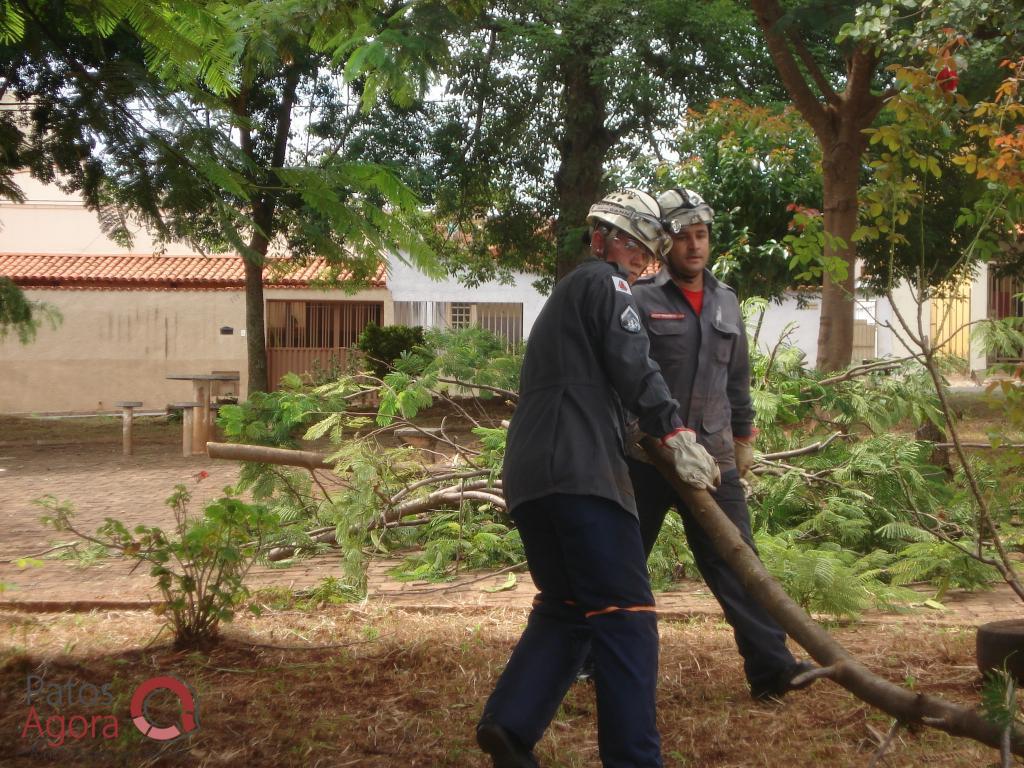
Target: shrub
<point>199,567</point>
<point>384,346</point>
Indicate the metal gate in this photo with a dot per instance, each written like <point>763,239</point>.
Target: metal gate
<point>303,336</point>
<point>950,321</point>
<point>1005,299</point>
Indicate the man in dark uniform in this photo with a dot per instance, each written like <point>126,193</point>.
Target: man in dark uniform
<point>698,338</point>
<point>569,492</point>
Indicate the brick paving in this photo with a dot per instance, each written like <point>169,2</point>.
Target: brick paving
<point>102,483</point>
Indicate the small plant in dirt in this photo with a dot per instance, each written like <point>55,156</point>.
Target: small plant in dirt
<point>328,591</point>
<point>199,566</point>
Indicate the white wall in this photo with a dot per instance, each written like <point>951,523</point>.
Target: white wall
<point>979,311</point>
<point>407,283</point>
<point>804,334</point>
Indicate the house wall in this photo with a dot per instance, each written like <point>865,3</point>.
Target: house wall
<point>51,221</point>
<point>409,284</point>
<point>803,313</point>
<point>978,361</point>
<point>120,345</point>
<point>804,320</point>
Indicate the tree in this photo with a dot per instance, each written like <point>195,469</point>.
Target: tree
<point>564,90</point>
<point>837,78</point>
<point>951,126</point>
<point>752,164</point>
<point>140,134</point>
<point>838,115</point>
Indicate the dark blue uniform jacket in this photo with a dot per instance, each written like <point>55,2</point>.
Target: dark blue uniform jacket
<point>586,359</point>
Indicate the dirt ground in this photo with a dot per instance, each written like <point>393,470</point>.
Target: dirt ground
<point>379,687</point>
<point>381,684</point>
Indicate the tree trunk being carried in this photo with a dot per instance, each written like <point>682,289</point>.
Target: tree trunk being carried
<point>838,665</point>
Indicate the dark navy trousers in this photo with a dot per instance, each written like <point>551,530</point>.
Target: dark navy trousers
<point>760,640</point>
<point>586,557</point>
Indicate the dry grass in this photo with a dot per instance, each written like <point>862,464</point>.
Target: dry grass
<point>92,430</point>
<point>405,689</point>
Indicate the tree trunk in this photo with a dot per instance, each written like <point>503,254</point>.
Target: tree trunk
<point>835,332</point>
<point>255,327</point>
<point>582,151</point>
<point>842,668</point>
<point>264,207</point>
<point>838,120</point>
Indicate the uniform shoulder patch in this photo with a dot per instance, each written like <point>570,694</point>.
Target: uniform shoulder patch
<point>621,285</point>
<point>630,320</point>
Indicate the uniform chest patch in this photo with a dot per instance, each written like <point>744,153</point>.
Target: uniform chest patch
<point>630,320</point>
<point>668,315</point>
<point>621,285</point>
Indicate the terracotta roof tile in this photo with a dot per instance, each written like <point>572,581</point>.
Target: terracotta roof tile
<point>148,271</point>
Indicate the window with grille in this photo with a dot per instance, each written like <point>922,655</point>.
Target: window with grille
<point>460,315</point>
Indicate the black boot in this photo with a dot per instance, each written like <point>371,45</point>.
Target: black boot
<point>504,748</point>
<point>783,683</point>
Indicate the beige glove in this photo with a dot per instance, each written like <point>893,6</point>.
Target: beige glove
<point>743,447</point>
<point>694,465</point>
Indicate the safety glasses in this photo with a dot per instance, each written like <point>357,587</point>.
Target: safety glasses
<point>646,226</point>
<point>630,244</point>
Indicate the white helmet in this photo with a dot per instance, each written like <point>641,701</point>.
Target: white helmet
<point>637,214</point>
<point>682,207</point>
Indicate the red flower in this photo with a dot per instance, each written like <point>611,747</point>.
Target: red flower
<point>202,475</point>
<point>947,79</point>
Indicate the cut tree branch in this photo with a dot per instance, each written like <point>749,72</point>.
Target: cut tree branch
<point>904,705</point>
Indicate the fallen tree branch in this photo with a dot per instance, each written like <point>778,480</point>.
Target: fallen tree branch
<point>904,705</point>
<point>442,497</point>
<point>262,454</point>
<point>863,370</point>
<point>505,393</point>
<point>812,448</point>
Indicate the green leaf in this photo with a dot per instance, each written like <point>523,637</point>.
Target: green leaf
<point>510,583</point>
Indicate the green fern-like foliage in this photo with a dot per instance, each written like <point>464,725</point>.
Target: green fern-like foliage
<point>941,564</point>
<point>469,538</point>
<point>22,316</point>
<point>829,579</point>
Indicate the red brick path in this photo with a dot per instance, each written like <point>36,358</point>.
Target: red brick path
<point>102,483</point>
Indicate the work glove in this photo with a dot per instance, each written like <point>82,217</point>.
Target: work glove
<point>693,464</point>
<point>743,448</point>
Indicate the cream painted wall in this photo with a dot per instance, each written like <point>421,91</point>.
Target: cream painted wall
<point>120,345</point>
<point>51,221</point>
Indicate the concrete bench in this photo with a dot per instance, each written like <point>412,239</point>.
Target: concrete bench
<point>127,417</point>
<point>188,410</point>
